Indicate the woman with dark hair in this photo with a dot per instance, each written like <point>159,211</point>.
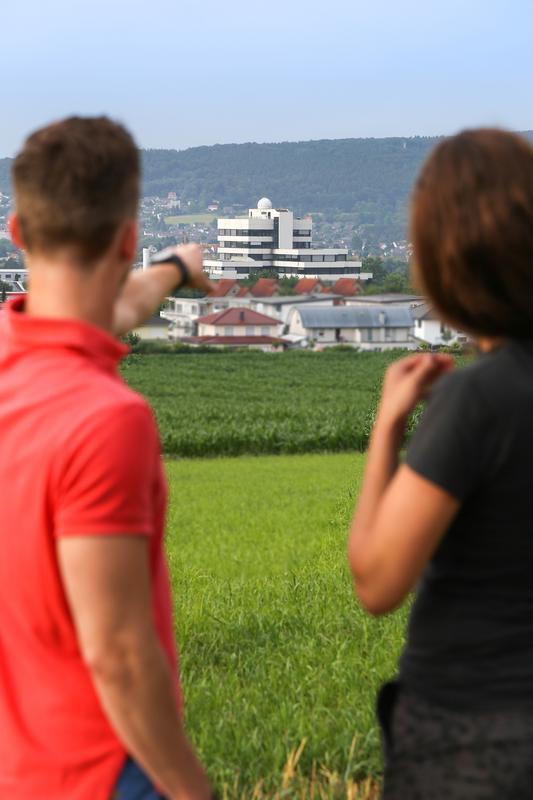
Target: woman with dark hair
<point>455,517</point>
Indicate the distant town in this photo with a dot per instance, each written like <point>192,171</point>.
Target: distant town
<point>281,282</point>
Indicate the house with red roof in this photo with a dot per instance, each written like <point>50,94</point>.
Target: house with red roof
<point>226,287</point>
<point>265,287</point>
<point>238,327</point>
<point>308,286</point>
<point>347,287</point>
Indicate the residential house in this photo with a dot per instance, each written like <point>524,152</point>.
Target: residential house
<point>227,287</point>
<point>280,306</point>
<point>347,287</point>
<point>430,329</point>
<point>308,286</point>
<point>367,328</point>
<point>265,287</point>
<point>183,312</point>
<point>154,329</point>
<point>238,327</point>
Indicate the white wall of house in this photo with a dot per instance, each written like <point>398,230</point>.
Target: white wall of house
<point>364,338</point>
<point>379,338</point>
<point>182,312</point>
<point>282,311</point>
<point>434,332</point>
<point>153,332</point>
<point>238,330</point>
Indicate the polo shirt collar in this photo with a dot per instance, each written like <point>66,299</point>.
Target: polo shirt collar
<point>25,332</point>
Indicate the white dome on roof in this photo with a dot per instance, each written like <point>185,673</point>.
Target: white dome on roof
<point>264,204</point>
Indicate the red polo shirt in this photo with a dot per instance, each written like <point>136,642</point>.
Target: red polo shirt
<point>79,456</point>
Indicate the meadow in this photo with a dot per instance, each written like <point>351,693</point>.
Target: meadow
<point>280,665</point>
<point>222,404</point>
<point>189,219</point>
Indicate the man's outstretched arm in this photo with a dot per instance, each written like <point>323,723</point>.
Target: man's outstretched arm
<point>106,579</point>
<point>144,291</point>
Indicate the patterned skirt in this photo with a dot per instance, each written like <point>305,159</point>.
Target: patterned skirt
<point>434,753</point>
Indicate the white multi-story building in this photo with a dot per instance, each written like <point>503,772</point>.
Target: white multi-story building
<point>273,238</point>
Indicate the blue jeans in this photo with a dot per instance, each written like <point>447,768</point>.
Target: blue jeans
<point>133,784</point>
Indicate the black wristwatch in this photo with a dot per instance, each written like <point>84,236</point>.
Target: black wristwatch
<point>169,256</point>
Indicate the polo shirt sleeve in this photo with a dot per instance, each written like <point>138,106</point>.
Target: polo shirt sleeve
<point>447,448</point>
<point>106,481</point>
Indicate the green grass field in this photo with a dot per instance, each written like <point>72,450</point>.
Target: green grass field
<point>211,404</point>
<point>275,651</point>
<point>189,219</point>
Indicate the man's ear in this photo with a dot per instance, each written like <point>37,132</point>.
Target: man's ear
<point>14,230</point>
<point>128,241</point>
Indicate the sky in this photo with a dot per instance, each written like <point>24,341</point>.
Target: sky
<point>182,73</point>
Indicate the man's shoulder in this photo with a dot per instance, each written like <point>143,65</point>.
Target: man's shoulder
<point>107,410</point>
<point>120,411</point>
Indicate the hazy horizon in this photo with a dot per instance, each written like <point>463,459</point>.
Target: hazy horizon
<point>192,74</point>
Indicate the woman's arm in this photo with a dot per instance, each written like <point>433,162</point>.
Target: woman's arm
<point>144,292</point>
<point>400,516</point>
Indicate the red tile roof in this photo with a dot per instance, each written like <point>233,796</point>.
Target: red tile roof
<point>232,340</point>
<point>243,292</point>
<point>307,285</point>
<point>223,287</point>
<point>265,287</point>
<point>237,316</point>
<point>347,287</point>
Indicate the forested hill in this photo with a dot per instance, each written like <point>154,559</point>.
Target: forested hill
<point>5,165</point>
<point>326,175</point>
<point>370,176</point>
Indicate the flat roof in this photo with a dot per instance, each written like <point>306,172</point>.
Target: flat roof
<point>390,297</point>
<point>293,299</point>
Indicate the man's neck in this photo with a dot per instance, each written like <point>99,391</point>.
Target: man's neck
<point>62,290</point>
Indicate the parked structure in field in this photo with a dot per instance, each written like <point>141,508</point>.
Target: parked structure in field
<point>430,329</point>
<point>368,328</point>
<point>272,238</point>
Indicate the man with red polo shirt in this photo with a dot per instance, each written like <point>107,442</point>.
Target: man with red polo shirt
<point>89,694</point>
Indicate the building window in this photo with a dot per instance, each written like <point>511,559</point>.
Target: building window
<point>249,330</point>
<point>228,330</point>
<point>265,330</point>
